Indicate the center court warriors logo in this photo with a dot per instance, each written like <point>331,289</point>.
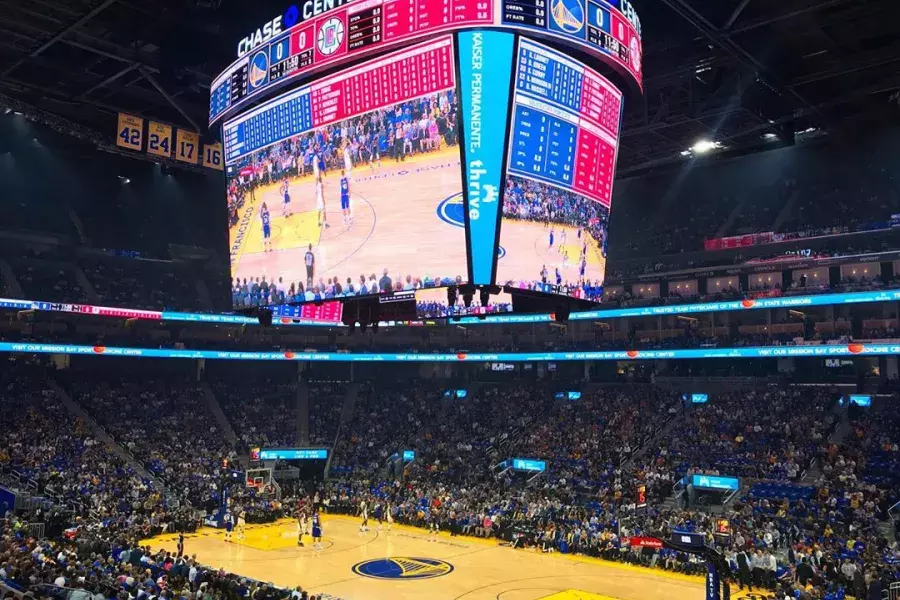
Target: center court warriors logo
<point>402,567</point>
<point>568,15</point>
<point>452,212</point>
<point>330,36</point>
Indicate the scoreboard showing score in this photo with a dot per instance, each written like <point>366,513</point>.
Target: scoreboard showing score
<point>560,168</point>
<point>333,187</point>
<point>358,28</point>
<point>355,29</point>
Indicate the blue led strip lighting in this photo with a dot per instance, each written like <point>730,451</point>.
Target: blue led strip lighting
<point>615,313</point>
<point>827,350</point>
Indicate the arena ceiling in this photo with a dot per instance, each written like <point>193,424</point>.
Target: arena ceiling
<point>745,73</point>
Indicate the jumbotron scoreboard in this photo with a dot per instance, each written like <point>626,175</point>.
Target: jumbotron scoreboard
<point>377,146</point>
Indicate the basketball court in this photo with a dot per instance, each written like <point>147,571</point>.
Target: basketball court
<point>404,565</point>
<point>398,224</point>
<point>525,249</point>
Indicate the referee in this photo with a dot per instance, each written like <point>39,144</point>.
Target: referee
<point>310,260</point>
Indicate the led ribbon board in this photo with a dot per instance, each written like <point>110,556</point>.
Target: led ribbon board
<point>327,32</point>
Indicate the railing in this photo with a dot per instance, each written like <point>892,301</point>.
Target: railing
<point>894,512</point>
<point>893,591</point>
<point>35,530</point>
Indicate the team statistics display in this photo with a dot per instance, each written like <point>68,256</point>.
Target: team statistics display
<point>559,174</point>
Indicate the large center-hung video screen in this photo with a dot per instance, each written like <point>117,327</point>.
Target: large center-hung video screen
<point>341,187</point>
<point>560,165</point>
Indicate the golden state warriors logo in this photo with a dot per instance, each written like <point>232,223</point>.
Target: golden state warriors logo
<point>330,36</point>
<point>567,16</point>
<point>452,211</point>
<point>402,567</point>
<point>259,69</point>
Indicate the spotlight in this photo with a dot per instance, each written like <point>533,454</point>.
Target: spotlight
<point>265,317</point>
<point>451,295</point>
<point>375,327</point>
<point>352,329</point>
<point>363,326</point>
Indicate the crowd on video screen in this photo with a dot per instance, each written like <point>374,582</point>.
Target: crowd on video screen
<point>527,200</point>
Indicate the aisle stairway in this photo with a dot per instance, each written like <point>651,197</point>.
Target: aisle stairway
<point>349,406</point>
<point>102,435</point>
<point>221,420</point>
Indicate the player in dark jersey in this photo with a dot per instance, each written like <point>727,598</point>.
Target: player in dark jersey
<point>310,260</point>
<point>345,198</point>
<point>551,238</point>
<point>317,531</point>
<point>286,194</point>
<point>180,544</point>
<point>229,526</point>
<point>266,227</point>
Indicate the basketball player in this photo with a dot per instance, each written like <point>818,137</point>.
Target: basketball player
<point>345,198</point>
<point>320,202</point>
<point>266,227</point>
<point>364,513</point>
<point>180,544</point>
<point>433,525</point>
<point>241,524</point>
<point>316,531</point>
<point>310,260</point>
<point>348,159</point>
<point>390,516</point>
<point>301,528</point>
<point>562,239</point>
<point>229,525</point>
<point>551,238</point>
<point>285,193</point>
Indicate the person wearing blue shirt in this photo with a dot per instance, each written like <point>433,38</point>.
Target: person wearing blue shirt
<point>266,227</point>
<point>345,198</point>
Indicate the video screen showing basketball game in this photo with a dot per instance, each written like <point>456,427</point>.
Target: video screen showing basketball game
<point>350,185</point>
<point>560,168</point>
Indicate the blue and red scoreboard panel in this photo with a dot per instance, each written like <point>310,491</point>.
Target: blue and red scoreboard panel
<point>356,29</point>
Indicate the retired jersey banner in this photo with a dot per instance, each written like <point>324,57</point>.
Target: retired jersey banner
<point>212,156</point>
<point>131,132</point>
<point>187,146</point>
<point>159,139</point>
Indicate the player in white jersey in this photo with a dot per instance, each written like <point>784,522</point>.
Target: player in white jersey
<point>364,514</point>
<point>348,158</point>
<point>241,524</point>
<point>389,515</point>
<point>301,527</point>
<point>320,203</point>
